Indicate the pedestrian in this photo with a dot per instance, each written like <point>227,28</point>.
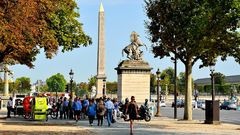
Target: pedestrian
<point>91,111</point>
<point>77,107</point>
<point>10,107</point>
<point>100,111</point>
<point>70,108</point>
<point>125,106</point>
<point>109,107</point>
<point>85,105</point>
<point>132,110</point>
<point>115,110</point>
<point>60,107</point>
<point>65,108</point>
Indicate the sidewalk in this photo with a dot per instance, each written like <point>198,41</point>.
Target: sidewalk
<point>156,126</point>
<point>191,127</point>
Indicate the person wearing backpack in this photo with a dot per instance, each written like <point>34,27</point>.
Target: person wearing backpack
<point>132,110</point>
<point>91,111</point>
<point>100,111</point>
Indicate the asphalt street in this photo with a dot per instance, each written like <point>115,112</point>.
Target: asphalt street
<point>227,116</point>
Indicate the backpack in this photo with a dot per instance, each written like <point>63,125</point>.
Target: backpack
<point>101,109</point>
<point>132,108</point>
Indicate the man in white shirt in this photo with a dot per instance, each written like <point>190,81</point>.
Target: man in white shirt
<point>109,107</point>
<point>9,107</point>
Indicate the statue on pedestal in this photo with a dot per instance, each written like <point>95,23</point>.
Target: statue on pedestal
<point>132,50</point>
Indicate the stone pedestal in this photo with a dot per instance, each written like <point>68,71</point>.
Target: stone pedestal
<point>134,80</point>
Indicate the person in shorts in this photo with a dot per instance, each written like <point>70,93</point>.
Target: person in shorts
<point>77,107</point>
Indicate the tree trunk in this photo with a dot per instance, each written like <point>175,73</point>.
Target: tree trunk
<point>188,94</point>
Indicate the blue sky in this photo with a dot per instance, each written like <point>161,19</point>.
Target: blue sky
<point>121,18</point>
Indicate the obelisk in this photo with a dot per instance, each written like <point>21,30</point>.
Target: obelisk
<point>101,76</point>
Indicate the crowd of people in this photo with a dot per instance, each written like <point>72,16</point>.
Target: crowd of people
<point>100,108</point>
<point>78,108</point>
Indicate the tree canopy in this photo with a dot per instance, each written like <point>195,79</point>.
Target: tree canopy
<point>194,30</point>
<point>57,83</point>
<point>22,85</point>
<point>219,78</point>
<point>27,26</point>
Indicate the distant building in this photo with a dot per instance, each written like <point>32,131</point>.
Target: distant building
<point>234,79</point>
<point>35,86</point>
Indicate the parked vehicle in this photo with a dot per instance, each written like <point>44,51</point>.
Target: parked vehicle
<point>52,111</point>
<point>162,104</point>
<point>144,113</point>
<point>228,105</point>
<point>203,105</point>
<point>180,103</point>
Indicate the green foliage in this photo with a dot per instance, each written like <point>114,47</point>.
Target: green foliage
<point>43,88</point>
<point>57,83</point>
<point>194,30</point>
<point>170,72</point>
<point>153,83</point>
<point>219,78</point>
<point>27,26</point>
<point>92,82</point>
<point>83,86</point>
<point>182,82</point>
<point>22,85</point>
<point>112,87</point>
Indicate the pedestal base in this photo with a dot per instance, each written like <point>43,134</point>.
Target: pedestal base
<point>134,80</point>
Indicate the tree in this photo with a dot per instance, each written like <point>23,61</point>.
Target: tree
<point>153,83</point>
<point>219,78</point>
<point>57,83</point>
<point>43,88</point>
<point>167,76</point>
<point>92,82</point>
<point>182,82</point>
<point>83,86</point>
<point>22,85</point>
<point>193,30</point>
<point>112,87</point>
<point>26,26</point>
<point>165,81</point>
<point>170,72</point>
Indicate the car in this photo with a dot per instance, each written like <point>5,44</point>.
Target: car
<point>180,103</point>
<point>163,104</point>
<point>228,105</point>
<point>18,105</point>
<point>201,104</point>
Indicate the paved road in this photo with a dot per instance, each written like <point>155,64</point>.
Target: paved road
<point>228,116</point>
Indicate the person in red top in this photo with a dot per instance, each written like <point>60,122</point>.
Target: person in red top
<point>132,111</point>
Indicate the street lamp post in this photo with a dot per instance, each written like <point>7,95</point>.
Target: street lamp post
<point>212,69</point>
<point>158,94</point>
<point>212,106</point>
<point>104,87</point>
<point>71,82</point>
